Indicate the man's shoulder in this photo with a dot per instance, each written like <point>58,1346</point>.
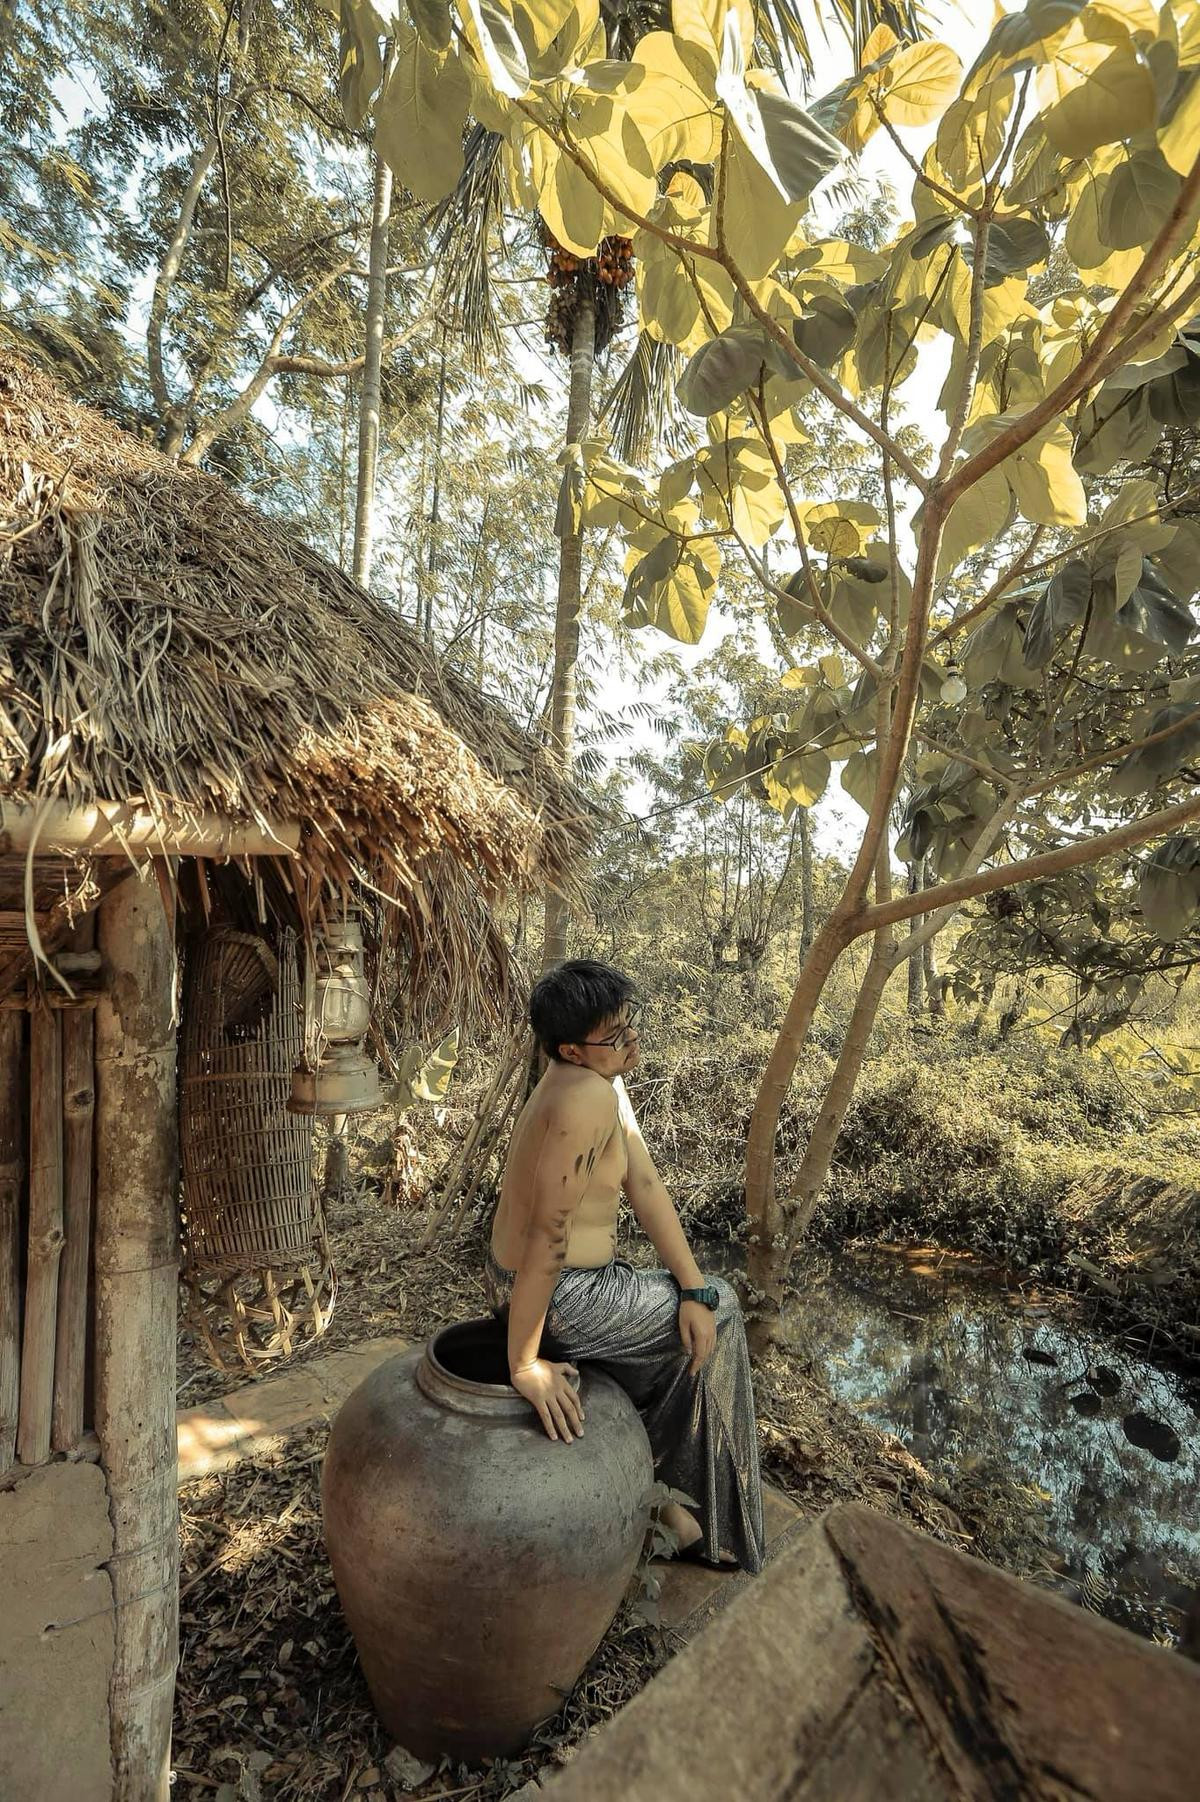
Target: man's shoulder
<point>581,1098</point>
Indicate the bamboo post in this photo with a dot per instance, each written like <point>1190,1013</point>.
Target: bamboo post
<point>12,1182</point>
<point>45,1234</point>
<point>137,1257</point>
<point>78,1087</point>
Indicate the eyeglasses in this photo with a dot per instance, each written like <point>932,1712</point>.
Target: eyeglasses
<point>617,1041</point>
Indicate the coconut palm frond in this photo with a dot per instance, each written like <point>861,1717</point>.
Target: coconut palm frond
<point>463,224</point>
<point>786,27</point>
<point>640,409</point>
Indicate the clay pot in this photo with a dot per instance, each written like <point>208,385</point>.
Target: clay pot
<point>479,1563</point>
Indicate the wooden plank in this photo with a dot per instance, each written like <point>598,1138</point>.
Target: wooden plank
<point>45,1235</point>
<point>1024,1695</point>
<point>78,1083</point>
<point>873,1755</point>
<point>756,1704</point>
<point>12,1188</point>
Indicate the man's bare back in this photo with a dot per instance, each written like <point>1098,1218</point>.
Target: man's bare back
<point>565,1102</point>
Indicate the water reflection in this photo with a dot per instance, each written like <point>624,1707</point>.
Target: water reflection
<point>962,1368</point>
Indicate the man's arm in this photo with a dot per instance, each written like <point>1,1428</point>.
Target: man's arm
<point>655,1211</point>
<point>576,1133</point>
<point>649,1200</point>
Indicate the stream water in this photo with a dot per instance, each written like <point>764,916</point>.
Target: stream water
<point>968,1371</point>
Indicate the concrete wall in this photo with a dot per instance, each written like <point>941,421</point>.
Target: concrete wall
<point>56,1636</point>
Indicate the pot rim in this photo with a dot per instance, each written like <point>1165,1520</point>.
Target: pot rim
<point>463,1394</point>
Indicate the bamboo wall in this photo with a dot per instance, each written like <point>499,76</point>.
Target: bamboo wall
<point>47,1106</point>
<point>88,1279</point>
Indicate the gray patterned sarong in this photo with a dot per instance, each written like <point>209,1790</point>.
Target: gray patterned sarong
<point>701,1428</point>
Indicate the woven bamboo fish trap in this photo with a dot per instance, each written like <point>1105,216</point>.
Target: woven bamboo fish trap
<point>256,1263</point>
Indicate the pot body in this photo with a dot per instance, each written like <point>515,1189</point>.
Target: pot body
<point>478,1562</point>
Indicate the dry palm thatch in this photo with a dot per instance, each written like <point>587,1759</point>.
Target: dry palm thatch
<point>162,641</point>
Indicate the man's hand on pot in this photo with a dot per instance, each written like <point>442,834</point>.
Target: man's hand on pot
<point>548,1387</point>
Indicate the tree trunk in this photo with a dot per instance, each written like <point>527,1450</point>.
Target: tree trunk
<point>808,908</point>
<point>933,981</point>
<point>137,1260</point>
<point>570,568</point>
<point>916,962</point>
<point>435,505</point>
<point>370,400</point>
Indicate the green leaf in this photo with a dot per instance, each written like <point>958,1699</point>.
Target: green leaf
<point>723,369</point>
<point>859,777</point>
<point>432,20</point>
<point>977,517</point>
<point>671,587</point>
<point>360,64</point>
<point>1169,890</point>
<point>1014,247</point>
<point>793,150</point>
<point>826,330</point>
<point>798,780</point>
<point>420,117</point>
<point>1062,605</point>
<point>1136,199</point>
<point>1145,769</point>
<point>724,767</point>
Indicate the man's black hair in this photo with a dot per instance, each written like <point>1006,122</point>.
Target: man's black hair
<point>571,1000</point>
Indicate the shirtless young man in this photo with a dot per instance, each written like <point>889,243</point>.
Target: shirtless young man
<point>672,1339</point>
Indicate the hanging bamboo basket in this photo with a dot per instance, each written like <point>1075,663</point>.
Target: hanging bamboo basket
<point>256,1266</point>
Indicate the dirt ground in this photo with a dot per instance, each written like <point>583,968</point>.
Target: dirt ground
<point>271,1706</point>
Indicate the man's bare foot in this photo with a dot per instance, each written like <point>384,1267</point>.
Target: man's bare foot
<point>685,1526</point>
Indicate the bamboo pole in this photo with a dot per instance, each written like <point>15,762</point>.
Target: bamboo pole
<point>45,1235</point>
<point>12,1182</point>
<point>78,1085</point>
<point>137,1257</point>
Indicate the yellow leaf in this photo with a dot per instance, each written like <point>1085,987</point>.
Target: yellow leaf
<point>673,109</point>
<point>1187,20</point>
<point>881,40</point>
<point>758,220</point>
<point>922,79</point>
<point>702,22</point>
<point>1093,91</point>
<point>970,138</point>
<point>544,19</point>
<point>572,207</point>
<point>1002,301</point>
<point>1044,480</point>
<point>1179,141</point>
<point>976,518</point>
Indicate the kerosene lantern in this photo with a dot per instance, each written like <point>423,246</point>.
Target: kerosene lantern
<point>338,1075</point>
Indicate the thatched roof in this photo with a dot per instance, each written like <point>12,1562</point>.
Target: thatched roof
<point>162,640</point>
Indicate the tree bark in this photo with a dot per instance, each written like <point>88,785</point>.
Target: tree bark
<point>570,574</point>
<point>137,1259</point>
<point>435,504</point>
<point>170,424</point>
<point>916,967</point>
<point>929,964</point>
<point>808,907</point>
<point>370,401</point>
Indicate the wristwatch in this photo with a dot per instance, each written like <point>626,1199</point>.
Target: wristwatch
<point>710,1296</point>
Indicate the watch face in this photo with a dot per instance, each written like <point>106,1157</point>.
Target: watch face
<point>711,1296</point>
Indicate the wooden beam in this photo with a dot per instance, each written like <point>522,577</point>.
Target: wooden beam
<point>110,828</point>
<point>12,1186</point>
<point>137,1258</point>
<point>78,1085</point>
<point>45,1234</point>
